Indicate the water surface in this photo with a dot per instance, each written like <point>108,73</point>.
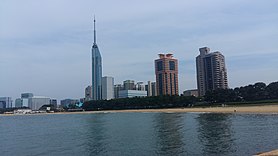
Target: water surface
<point>138,134</point>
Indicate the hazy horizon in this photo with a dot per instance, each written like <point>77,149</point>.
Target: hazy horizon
<point>45,46</point>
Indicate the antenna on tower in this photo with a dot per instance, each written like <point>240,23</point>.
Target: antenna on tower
<point>95,40</point>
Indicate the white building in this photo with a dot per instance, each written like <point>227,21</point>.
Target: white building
<point>6,102</point>
<point>36,102</point>
<point>22,111</point>
<point>107,88</point>
<point>132,93</point>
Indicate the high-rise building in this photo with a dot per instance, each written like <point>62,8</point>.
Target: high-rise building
<point>166,71</point>
<point>25,99</point>
<point>151,88</point>
<point>129,85</point>
<point>26,95</point>
<point>107,88</point>
<point>140,86</point>
<point>211,71</point>
<point>117,88</point>
<point>6,102</point>
<point>96,69</point>
<point>154,91</point>
<point>88,93</point>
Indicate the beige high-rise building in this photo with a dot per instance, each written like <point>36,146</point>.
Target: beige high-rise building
<point>151,88</point>
<point>107,83</point>
<point>211,71</point>
<point>166,71</point>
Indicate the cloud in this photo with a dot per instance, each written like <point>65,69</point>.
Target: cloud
<point>45,46</point>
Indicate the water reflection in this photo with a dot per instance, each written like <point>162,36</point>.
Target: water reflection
<point>168,128</point>
<point>95,138</point>
<point>215,134</point>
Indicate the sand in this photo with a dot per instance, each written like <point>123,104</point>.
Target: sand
<point>229,109</point>
<point>271,153</point>
<point>238,109</point>
<point>262,109</point>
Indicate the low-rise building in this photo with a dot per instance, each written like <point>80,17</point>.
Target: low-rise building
<point>132,93</point>
<point>67,102</point>
<point>22,111</point>
<point>192,92</point>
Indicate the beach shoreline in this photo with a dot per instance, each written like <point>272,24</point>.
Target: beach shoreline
<point>263,109</point>
<point>258,109</point>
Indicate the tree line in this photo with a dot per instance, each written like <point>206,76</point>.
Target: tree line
<point>153,102</point>
<point>256,92</point>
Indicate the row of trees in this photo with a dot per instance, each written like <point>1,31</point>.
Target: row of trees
<point>258,91</point>
<point>153,102</point>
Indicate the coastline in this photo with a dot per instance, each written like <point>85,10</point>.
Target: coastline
<point>263,109</point>
<point>258,109</point>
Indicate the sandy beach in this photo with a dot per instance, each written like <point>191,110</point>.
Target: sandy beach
<point>229,109</point>
<point>261,109</point>
<point>238,109</point>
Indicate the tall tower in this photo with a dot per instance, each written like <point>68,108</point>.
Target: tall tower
<point>96,69</point>
<point>211,71</point>
<point>166,71</point>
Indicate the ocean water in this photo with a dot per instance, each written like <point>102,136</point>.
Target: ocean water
<point>120,134</point>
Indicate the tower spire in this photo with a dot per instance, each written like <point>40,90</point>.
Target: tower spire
<point>95,42</point>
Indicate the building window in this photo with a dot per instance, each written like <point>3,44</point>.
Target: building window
<point>160,84</point>
<point>159,65</point>
<point>166,83</point>
<point>172,65</point>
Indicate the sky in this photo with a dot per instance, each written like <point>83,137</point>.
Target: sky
<point>45,45</point>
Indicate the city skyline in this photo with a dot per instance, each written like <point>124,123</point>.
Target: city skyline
<point>44,45</point>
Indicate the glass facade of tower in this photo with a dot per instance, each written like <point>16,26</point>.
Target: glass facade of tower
<point>96,73</point>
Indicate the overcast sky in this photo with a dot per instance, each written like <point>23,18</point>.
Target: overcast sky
<point>45,45</point>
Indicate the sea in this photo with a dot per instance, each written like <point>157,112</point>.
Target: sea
<point>142,134</point>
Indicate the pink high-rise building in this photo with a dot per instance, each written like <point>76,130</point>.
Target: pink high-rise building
<point>166,71</point>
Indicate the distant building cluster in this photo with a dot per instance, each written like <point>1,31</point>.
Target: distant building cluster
<point>27,100</point>
<point>211,75</point>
